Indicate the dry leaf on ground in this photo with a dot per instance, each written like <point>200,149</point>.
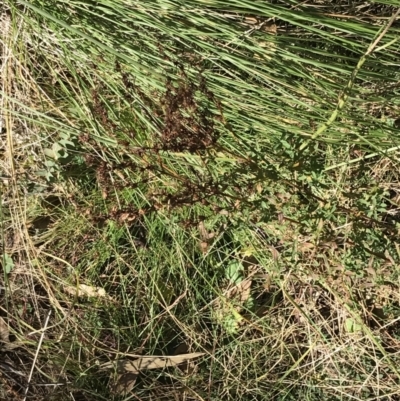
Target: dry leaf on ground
<point>204,233</point>
<point>128,370</point>
<point>84,290</point>
<point>151,362</point>
<point>205,237</point>
<point>240,292</point>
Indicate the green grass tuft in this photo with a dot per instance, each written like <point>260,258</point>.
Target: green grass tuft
<point>200,176</point>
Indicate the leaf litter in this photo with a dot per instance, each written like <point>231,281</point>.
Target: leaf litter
<point>84,290</point>
<point>128,370</point>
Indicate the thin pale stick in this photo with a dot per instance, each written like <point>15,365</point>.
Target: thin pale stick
<point>36,355</point>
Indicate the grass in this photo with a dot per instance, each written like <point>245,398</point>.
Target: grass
<point>200,176</point>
